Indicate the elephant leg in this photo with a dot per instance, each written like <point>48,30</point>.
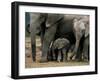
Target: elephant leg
<point>51,53</point>
<point>59,56</point>
<point>75,49</point>
<point>54,55</point>
<point>48,38</point>
<point>33,52</point>
<point>79,54</point>
<point>33,45</point>
<point>80,49</point>
<point>78,36</point>
<point>86,49</point>
<point>64,55</point>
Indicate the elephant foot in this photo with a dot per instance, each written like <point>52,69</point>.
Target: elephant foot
<point>43,60</point>
<point>73,56</point>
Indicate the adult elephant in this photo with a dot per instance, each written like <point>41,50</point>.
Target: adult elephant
<point>83,50</point>
<point>37,27</point>
<point>59,25</point>
<point>81,30</point>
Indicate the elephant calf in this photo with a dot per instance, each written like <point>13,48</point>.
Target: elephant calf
<point>62,46</point>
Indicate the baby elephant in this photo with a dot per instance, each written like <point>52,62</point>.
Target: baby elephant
<point>62,46</point>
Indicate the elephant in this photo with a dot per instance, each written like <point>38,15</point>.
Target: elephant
<point>52,26</point>
<point>61,25</point>
<point>62,45</point>
<point>35,26</point>
<point>79,32</point>
<point>83,51</point>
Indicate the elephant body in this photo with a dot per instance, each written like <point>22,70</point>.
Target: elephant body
<point>62,46</point>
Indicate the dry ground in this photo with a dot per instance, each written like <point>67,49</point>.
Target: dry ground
<point>29,63</point>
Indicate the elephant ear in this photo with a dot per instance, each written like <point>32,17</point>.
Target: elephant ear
<point>53,19</point>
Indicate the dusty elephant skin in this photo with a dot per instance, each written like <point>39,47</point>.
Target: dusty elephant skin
<point>52,26</point>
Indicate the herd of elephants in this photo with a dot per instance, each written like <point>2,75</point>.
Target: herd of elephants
<point>59,34</point>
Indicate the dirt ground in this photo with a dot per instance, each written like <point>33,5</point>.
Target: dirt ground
<point>29,63</point>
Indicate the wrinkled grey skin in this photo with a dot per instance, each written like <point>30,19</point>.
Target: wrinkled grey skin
<point>61,25</point>
<point>36,28</point>
<point>62,45</point>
